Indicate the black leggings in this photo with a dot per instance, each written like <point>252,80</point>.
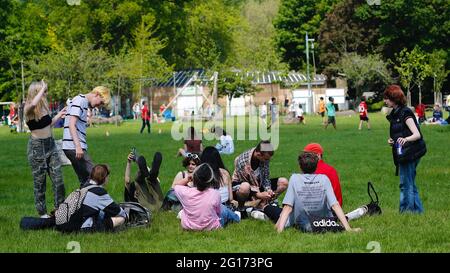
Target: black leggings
<point>145,122</point>
<point>273,212</point>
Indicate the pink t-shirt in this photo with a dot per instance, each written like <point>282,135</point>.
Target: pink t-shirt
<point>201,209</point>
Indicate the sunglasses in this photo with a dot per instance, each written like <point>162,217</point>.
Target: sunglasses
<point>192,156</point>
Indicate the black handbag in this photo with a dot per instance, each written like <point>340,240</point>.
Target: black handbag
<point>373,207</point>
<point>411,151</point>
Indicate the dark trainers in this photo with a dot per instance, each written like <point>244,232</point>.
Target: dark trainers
<point>142,163</point>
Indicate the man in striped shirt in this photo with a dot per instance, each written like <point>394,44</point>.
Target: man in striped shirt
<point>75,123</point>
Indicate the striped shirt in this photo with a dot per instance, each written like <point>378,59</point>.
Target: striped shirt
<point>98,200</point>
<point>77,107</point>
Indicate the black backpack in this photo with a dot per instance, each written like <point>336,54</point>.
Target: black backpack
<point>138,215</point>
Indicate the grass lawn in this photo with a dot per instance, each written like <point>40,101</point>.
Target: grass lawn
<point>359,156</point>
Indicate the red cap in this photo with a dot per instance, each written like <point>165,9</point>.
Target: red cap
<point>313,148</point>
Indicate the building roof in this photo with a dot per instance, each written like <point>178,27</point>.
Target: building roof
<point>291,78</point>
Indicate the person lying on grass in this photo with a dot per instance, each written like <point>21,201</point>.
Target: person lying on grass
<point>202,209</point>
<point>145,189</point>
<point>308,194</point>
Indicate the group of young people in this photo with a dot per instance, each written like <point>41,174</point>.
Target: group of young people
<point>206,195</point>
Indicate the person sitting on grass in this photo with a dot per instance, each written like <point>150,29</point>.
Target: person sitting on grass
<point>308,194</point>
<point>251,180</point>
<point>437,114</point>
<point>190,162</point>
<point>333,176</point>
<point>99,211</point>
<point>202,209</point>
<point>192,143</point>
<point>226,145</point>
<point>211,156</point>
<point>146,188</point>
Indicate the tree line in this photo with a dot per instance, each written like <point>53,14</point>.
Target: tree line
<point>131,44</point>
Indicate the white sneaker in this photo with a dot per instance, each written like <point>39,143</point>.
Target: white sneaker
<point>238,213</point>
<point>45,216</point>
<point>179,215</point>
<point>259,215</point>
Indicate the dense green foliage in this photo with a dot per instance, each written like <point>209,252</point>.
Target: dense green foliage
<point>77,46</point>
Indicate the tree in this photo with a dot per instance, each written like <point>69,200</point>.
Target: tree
<point>422,69</point>
<point>23,35</point>
<point>235,84</point>
<point>349,27</point>
<point>405,68</point>
<point>406,24</point>
<point>120,75</point>
<point>255,39</point>
<point>363,72</point>
<point>146,64</point>
<point>209,35</point>
<point>71,71</point>
<point>294,19</point>
<point>437,60</point>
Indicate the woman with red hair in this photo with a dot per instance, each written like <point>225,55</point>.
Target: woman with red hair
<point>408,147</point>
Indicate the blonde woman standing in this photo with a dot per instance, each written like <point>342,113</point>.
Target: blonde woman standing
<point>42,153</point>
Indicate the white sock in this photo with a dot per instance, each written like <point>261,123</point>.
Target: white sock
<point>357,213</point>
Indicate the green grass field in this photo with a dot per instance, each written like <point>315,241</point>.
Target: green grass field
<point>359,156</point>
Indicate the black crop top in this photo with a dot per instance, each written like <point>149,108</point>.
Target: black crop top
<point>42,123</point>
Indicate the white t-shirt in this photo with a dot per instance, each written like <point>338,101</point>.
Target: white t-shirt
<point>299,112</point>
<point>227,144</point>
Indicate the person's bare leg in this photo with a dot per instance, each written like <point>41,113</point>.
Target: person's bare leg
<point>360,125</point>
<point>242,194</point>
<point>118,221</point>
<point>282,185</point>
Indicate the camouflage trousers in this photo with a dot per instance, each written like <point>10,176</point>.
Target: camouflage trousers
<point>44,159</point>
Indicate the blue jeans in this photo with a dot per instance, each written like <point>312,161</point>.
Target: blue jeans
<point>227,216</point>
<point>409,196</point>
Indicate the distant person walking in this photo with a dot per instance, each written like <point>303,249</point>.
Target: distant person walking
<point>263,111</point>
<point>42,153</point>
<point>136,110</point>
<point>322,109</point>
<point>408,147</point>
<point>273,112</point>
<point>363,116</point>
<point>74,139</point>
<point>331,113</point>
<point>145,115</point>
